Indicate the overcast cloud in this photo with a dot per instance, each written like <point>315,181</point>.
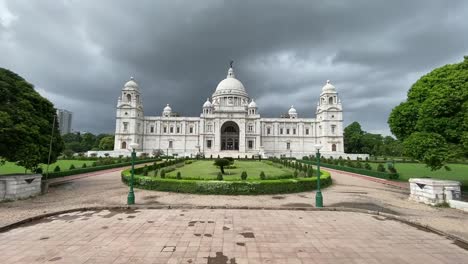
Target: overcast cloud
<point>79,54</point>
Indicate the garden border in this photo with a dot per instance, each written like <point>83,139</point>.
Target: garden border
<point>376,174</point>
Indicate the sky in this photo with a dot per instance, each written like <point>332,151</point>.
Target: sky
<point>79,54</point>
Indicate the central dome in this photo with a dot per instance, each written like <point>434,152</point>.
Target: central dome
<point>230,86</point>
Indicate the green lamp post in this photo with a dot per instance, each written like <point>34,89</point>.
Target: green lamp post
<point>131,194</point>
<point>318,194</point>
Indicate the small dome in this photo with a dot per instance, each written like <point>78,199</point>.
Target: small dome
<point>292,110</point>
<point>131,84</point>
<point>253,104</point>
<point>167,108</point>
<point>328,87</point>
<point>207,103</point>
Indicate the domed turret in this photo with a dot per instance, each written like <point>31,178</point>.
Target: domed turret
<point>167,111</point>
<point>207,104</point>
<point>253,104</point>
<point>131,85</point>
<point>292,112</point>
<point>328,88</point>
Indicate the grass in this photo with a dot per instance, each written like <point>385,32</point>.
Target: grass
<point>206,170</point>
<point>458,172</point>
<point>11,167</point>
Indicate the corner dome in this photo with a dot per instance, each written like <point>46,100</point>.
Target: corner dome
<point>253,104</point>
<point>207,103</point>
<point>131,84</point>
<point>328,87</point>
<point>292,110</point>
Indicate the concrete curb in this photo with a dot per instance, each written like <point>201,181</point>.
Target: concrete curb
<point>401,219</point>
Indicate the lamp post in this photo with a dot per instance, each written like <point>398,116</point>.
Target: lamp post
<point>318,194</point>
<point>131,194</point>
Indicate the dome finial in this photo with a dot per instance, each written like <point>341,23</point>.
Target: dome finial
<point>231,70</point>
<point>328,81</point>
<point>131,78</point>
<point>230,63</point>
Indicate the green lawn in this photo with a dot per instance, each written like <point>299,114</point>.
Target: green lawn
<point>11,167</point>
<point>458,172</point>
<point>205,170</point>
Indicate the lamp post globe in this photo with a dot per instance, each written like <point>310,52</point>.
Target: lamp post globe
<point>131,194</point>
<point>318,194</point>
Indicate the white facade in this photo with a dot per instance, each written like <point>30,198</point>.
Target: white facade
<point>230,125</point>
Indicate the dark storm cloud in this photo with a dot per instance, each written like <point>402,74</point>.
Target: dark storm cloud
<point>80,53</point>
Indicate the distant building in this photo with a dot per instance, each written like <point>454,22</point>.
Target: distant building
<point>64,121</point>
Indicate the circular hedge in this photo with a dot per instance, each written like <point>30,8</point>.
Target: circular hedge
<point>227,187</point>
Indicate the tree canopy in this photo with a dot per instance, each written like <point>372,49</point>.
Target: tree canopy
<point>357,140</point>
<point>82,142</point>
<point>436,108</point>
<point>26,120</point>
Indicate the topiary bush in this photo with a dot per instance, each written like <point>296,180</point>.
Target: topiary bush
<point>72,167</point>
<point>219,177</point>
<point>162,174</point>
<point>262,176</point>
<point>244,175</point>
<point>295,174</point>
<point>84,165</point>
<point>57,168</point>
<point>179,175</point>
<point>381,168</point>
<point>367,166</point>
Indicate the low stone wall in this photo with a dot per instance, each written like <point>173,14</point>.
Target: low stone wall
<point>460,205</point>
<point>433,192</point>
<point>19,186</point>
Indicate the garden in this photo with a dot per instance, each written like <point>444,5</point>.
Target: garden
<point>227,176</point>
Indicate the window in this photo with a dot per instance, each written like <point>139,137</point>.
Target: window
<point>307,131</point>
<point>333,147</point>
<point>178,129</point>
<point>125,125</point>
<point>171,129</point>
<point>129,98</point>
<point>138,127</point>
<point>250,144</point>
<point>170,143</point>
<point>250,128</point>
<point>268,131</point>
<point>208,143</point>
<point>294,131</point>
<point>333,128</point>
<point>287,131</point>
<point>152,129</point>
<point>288,145</point>
<point>281,131</point>
<point>124,145</point>
<point>330,100</point>
<point>191,130</point>
<point>165,129</point>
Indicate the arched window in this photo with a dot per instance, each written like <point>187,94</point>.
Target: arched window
<point>330,100</point>
<point>124,145</point>
<point>334,147</point>
<point>129,98</point>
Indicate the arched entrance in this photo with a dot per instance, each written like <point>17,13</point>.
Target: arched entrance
<point>230,136</point>
<point>124,145</point>
<point>334,147</point>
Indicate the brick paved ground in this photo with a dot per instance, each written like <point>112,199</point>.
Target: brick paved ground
<point>224,236</point>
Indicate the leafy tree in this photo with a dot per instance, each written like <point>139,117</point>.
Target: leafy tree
<point>352,138</point>
<point>221,163</point>
<point>26,120</point>
<point>106,143</point>
<point>437,107</point>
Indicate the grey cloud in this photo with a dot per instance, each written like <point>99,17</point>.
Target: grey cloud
<point>82,52</point>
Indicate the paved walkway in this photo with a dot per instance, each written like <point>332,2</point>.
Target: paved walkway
<point>224,236</point>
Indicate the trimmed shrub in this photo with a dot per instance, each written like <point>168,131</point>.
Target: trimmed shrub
<point>155,172</point>
<point>219,177</point>
<point>84,165</point>
<point>380,168</point>
<point>244,175</point>
<point>367,166</point>
<point>38,170</point>
<point>57,168</point>
<point>162,174</point>
<point>262,176</point>
<point>310,172</point>
<point>377,174</point>
<point>179,175</point>
<point>295,174</point>
<point>93,164</point>
<point>145,170</point>
<point>72,167</point>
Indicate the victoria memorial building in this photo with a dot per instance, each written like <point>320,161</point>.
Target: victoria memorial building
<point>229,125</point>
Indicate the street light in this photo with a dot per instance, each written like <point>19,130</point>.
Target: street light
<point>131,194</point>
<point>318,194</point>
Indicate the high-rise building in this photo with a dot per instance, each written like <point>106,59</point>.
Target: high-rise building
<point>64,121</point>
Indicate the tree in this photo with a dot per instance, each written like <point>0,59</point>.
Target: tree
<point>221,163</point>
<point>107,143</point>
<point>352,138</point>
<point>437,107</point>
<point>26,120</point>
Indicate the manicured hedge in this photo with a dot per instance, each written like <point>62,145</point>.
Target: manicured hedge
<point>227,187</point>
<point>59,174</point>
<point>377,174</point>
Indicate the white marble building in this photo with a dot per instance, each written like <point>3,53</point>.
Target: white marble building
<point>229,125</point>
